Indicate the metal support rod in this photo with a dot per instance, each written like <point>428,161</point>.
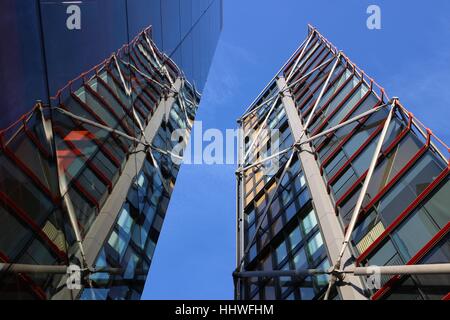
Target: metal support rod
<point>416,269</point>
<point>360,200</point>
<point>240,224</point>
<point>66,202</point>
<point>242,169</point>
<point>286,168</point>
<point>274,104</point>
<point>247,111</point>
<point>181,99</point>
<point>261,104</point>
<point>317,136</point>
<point>279,93</point>
<point>152,50</point>
<point>279,273</point>
<point>272,108</point>
<point>300,57</point>
<point>293,84</point>
<point>132,66</point>
<point>419,269</point>
<point>288,87</point>
<point>127,90</point>
<point>162,67</point>
<point>420,126</point>
<point>158,170</point>
<point>370,171</point>
<point>266,210</point>
<point>49,269</point>
<point>97,125</point>
<point>114,131</point>
<point>322,92</point>
<point>343,124</point>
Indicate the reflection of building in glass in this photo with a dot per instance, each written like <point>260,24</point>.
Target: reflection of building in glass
<point>349,136</point>
<point>86,176</point>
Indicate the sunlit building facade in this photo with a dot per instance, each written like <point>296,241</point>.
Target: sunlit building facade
<point>332,118</point>
<point>86,175</point>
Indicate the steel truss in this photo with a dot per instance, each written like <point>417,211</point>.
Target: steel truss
<point>336,272</point>
<point>415,269</point>
<point>147,147</point>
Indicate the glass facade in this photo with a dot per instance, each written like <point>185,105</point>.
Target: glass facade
<point>280,229</point>
<point>91,162</point>
<point>44,52</point>
<point>404,214</point>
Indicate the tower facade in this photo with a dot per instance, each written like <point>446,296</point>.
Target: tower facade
<point>350,179</point>
<point>86,175</point>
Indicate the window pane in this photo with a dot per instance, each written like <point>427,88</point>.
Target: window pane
<point>392,165</point>
<point>309,222</point>
<point>125,220</point>
<point>322,280</point>
<point>436,286</point>
<point>408,188</point>
<point>315,244</point>
<point>14,237</point>
<point>414,234</point>
<point>307,293</point>
<point>300,260</point>
<point>384,255</point>
<point>438,206</point>
<point>295,237</point>
<point>117,243</point>
<point>281,252</point>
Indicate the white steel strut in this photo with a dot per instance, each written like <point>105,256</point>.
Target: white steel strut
<point>336,272</point>
<point>115,131</point>
<point>317,136</point>
<point>362,194</point>
<point>286,166</point>
<point>415,269</point>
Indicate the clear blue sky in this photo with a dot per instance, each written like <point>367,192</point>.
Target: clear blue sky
<point>409,56</point>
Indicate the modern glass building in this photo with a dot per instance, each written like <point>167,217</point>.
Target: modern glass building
<point>87,173</point>
<point>351,163</point>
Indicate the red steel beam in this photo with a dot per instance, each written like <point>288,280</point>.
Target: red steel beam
<point>99,143</point>
<point>414,260</point>
<point>404,215</point>
<point>27,281</point>
<point>24,217</point>
<point>88,161</point>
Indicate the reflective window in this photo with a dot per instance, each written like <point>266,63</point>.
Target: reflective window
<point>383,173</point>
<point>309,222</point>
<point>414,233</point>
<point>300,260</point>
<point>386,255</point>
<point>117,243</point>
<point>408,188</point>
<point>295,237</point>
<point>125,221</point>
<point>322,280</point>
<point>314,245</point>
<point>422,225</point>
<point>362,160</point>
<point>281,252</point>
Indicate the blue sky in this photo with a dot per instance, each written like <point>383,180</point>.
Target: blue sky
<point>409,57</point>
